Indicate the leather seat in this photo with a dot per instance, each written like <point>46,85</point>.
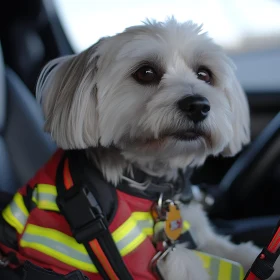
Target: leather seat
<point>24,147</point>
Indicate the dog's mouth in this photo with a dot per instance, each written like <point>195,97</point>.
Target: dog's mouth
<point>182,135</point>
<point>189,135</point>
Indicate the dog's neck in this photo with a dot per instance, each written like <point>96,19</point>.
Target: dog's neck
<point>114,165</point>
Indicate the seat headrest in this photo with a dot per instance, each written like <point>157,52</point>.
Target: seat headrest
<point>2,92</point>
<point>28,52</point>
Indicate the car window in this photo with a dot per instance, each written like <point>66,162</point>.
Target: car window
<point>248,30</point>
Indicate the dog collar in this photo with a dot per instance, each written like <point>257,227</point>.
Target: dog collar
<point>156,186</point>
<point>181,188</point>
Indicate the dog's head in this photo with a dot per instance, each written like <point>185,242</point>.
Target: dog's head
<point>160,91</point>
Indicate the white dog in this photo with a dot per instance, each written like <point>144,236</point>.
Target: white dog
<point>160,97</point>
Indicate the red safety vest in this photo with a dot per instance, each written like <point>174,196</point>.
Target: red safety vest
<point>44,237</point>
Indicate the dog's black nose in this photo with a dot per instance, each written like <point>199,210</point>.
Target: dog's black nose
<point>196,107</point>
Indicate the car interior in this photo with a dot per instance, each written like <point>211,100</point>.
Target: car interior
<point>245,189</point>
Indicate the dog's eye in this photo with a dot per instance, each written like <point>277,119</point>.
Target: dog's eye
<point>145,75</point>
<point>204,75</point>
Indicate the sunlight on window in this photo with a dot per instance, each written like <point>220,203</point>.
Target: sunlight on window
<point>236,24</point>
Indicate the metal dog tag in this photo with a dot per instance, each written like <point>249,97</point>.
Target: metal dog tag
<point>168,221</point>
<point>167,230</point>
<point>173,222</point>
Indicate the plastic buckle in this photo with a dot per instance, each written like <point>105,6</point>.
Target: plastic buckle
<point>263,265</point>
<point>83,213</point>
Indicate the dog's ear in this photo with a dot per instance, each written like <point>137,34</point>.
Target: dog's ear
<point>67,91</point>
<point>240,117</point>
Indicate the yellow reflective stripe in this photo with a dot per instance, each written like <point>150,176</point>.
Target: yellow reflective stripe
<point>123,229</point>
<point>45,196</point>
<point>145,221</point>
<point>61,246</point>
<point>136,219</point>
<point>34,196</point>
<point>186,226</point>
<point>65,248</point>
<point>45,188</point>
<point>219,268</point>
<point>57,245</point>
<point>148,231</point>
<point>47,205</point>
<point>11,220</point>
<point>59,256</point>
<point>237,271</point>
<point>56,235</point>
<point>142,216</point>
<point>18,199</point>
<point>206,259</point>
<point>133,232</point>
<point>133,245</point>
<point>16,214</point>
<point>225,270</point>
<point>129,240</point>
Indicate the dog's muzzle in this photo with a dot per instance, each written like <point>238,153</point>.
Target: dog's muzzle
<point>195,107</point>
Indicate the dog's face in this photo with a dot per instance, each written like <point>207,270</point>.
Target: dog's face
<point>160,91</point>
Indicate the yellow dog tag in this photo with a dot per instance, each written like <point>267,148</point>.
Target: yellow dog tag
<point>173,222</point>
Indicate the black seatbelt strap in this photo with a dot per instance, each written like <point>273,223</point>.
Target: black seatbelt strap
<point>89,226</point>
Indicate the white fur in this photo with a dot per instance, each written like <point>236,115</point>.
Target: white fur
<point>183,264</point>
<point>210,242</point>
<point>91,101</point>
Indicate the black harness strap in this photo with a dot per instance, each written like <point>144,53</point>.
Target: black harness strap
<point>82,210</point>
